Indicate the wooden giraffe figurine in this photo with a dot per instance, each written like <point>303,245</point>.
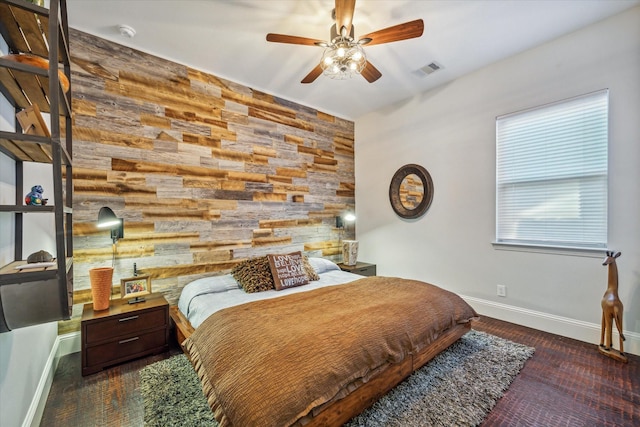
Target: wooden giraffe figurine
<point>611,311</point>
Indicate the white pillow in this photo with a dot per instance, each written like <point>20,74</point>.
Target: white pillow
<point>205,285</point>
<point>321,265</point>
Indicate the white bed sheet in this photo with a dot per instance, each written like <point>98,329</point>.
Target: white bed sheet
<point>203,297</point>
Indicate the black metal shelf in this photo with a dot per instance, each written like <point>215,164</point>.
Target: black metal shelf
<point>27,208</point>
<point>32,148</point>
<point>31,296</point>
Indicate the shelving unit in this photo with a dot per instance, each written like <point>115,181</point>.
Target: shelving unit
<point>39,295</point>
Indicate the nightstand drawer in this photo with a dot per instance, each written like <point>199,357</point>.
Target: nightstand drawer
<point>125,324</point>
<point>125,348</point>
<point>365,271</point>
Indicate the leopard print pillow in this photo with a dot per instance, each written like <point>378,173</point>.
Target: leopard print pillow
<point>254,275</point>
<point>308,268</point>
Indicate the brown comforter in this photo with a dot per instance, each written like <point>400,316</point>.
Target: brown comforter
<point>271,362</point>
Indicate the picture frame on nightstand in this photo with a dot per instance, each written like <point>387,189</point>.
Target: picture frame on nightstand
<point>134,288</point>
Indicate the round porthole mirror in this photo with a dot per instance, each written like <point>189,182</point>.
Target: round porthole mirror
<point>411,191</point>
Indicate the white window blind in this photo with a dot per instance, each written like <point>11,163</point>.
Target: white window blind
<point>551,178</point>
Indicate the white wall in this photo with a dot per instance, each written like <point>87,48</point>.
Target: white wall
<point>26,361</point>
<point>7,190</point>
<point>451,132</point>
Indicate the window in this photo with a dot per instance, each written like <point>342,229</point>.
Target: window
<point>551,178</point>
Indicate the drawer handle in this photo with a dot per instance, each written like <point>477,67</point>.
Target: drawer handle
<point>124,319</point>
<point>129,340</point>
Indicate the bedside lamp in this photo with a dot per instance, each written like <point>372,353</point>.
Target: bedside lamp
<point>349,247</point>
<point>343,222</point>
<point>108,219</point>
<point>348,217</point>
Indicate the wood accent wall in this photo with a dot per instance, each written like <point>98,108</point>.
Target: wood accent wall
<point>204,171</point>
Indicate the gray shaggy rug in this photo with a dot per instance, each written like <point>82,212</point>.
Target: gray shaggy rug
<point>458,387</point>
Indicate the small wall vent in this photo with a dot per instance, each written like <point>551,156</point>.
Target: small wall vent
<point>431,68</point>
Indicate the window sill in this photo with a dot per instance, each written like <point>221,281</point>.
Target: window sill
<point>555,250</point>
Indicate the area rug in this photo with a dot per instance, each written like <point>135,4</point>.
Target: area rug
<point>458,387</point>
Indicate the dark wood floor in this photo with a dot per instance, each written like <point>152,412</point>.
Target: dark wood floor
<point>566,383</point>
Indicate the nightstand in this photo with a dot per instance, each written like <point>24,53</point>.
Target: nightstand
<point>361,268</point>
<point>123,332</point>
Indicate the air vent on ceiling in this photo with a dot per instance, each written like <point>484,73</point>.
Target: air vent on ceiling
<point>430,68</point>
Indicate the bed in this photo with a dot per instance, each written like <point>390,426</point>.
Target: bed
<point>316,354</point>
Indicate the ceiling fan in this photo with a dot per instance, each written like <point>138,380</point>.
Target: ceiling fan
<point>344,55</point>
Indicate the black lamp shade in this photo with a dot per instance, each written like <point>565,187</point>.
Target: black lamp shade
<point>344,218</point>
<point>108,219</point>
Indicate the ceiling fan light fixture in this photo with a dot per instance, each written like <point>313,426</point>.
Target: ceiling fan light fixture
<point>343,56</point>
<point>343,59</point>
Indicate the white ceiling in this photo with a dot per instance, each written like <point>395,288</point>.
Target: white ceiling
<point>227,38</point>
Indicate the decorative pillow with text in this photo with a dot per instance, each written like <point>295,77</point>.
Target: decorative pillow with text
<point>288,270</point>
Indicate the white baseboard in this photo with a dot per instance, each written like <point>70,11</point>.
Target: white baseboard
<point>63,345</point>
<point>576,329</point>
<point>69,343</point>
<point>36,409</point>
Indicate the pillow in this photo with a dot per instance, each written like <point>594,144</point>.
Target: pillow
<point>308,268</point>
<point>213,284</point>
<point>321,265</point>
<point>205,285</point>
<point>288,270</point>
<point>254,275</point>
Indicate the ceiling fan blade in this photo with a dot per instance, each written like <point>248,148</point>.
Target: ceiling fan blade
<point>405,31</point>
<point>370,72</point>
<point>313,75</point>
<point>344,14</point>
<point>283,38</point>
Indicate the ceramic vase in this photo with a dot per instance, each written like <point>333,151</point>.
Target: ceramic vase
<point>101,280</point>
<point>349,252</point>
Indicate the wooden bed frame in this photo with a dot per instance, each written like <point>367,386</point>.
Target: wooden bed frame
<point>340,411</point>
